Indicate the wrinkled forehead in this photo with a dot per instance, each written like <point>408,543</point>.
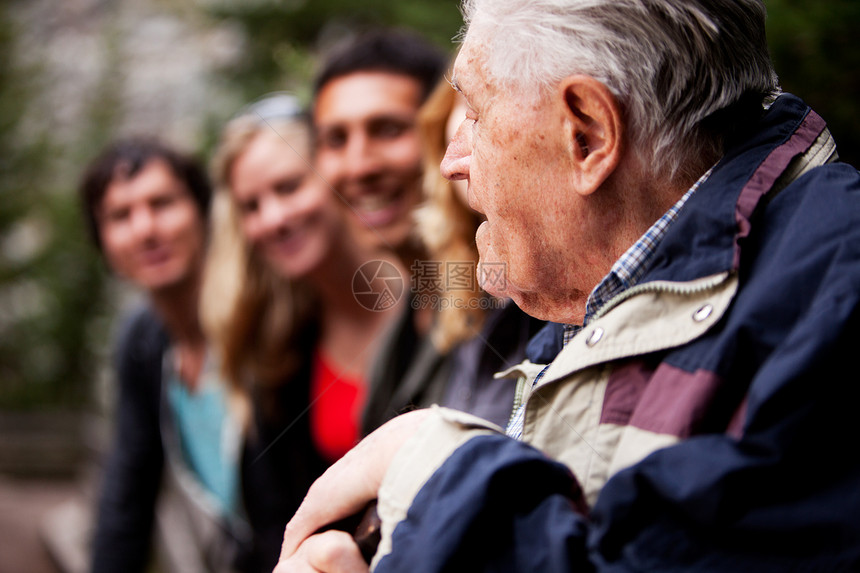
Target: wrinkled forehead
<point>475,76</point>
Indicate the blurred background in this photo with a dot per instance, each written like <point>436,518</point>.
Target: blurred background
<point>74,75</point>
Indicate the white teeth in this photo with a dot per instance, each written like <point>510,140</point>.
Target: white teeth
<point>373,202</point>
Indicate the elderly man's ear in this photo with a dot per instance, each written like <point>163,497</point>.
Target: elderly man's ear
<point>596,128</point>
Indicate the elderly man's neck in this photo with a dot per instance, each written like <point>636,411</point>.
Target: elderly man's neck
<point>630,202</point>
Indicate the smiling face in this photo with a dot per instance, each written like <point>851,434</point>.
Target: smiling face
<point>150,228</point>
<point>286,212</point>
<point>540,244</point>
<point>369,151</point>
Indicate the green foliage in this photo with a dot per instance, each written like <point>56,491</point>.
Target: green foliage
<point>53,296</point>
<point>51,285</point>
<point>283,36</point>
<point>815,50</point>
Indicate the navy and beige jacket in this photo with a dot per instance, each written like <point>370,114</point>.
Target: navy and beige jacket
<point>705,420</point>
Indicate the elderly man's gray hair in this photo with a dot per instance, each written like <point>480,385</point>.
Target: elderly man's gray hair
<point>670,63</point>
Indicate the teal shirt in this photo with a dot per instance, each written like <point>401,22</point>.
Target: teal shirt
<point>208,435</point>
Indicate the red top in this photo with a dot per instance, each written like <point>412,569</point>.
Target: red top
<point>336,404</point>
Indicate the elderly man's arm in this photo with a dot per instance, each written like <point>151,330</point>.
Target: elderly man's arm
<point>778,497</point>
<point>494,504</point>
<point>343,490</point>
<point>407,450</point>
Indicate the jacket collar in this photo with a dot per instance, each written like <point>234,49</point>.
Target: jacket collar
<point>709,233</point>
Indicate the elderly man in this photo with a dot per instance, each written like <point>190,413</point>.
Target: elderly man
<point>645,184</point>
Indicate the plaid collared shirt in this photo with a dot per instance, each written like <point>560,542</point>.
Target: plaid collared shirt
<point>626,271</point>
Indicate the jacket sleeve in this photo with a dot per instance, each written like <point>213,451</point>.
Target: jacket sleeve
<point>780,496</point>
<point>133,471</point>
<point>458,497</point>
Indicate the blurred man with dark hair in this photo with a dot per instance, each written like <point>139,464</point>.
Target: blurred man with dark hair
<point>147,206</point>
<point>366,100</point>
<point>367,95</point>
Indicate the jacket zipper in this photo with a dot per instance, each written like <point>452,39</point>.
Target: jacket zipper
<point>660,286</point>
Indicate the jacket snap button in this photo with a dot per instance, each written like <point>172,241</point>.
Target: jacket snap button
<point>703,313</point>
<point>594,337</point>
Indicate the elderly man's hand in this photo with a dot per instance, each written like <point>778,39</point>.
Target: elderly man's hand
<point>328,552</point>
<point>343,490</point>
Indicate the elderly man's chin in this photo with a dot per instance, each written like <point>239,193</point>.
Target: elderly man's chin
<point>492,271</point>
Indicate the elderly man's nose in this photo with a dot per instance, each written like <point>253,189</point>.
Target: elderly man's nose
<point>455,164</point>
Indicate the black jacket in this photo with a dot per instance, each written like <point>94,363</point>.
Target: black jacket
<point>278,462</point>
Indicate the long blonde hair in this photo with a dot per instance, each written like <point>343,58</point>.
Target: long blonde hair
<point>446,225</point>
<point>256,320</point>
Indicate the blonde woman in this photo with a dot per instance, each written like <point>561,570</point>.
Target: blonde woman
<point>482,334</point>
<point>277,303</point>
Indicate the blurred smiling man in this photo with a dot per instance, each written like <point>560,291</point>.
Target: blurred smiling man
<point>367,95</point>
<point>366,101</point>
